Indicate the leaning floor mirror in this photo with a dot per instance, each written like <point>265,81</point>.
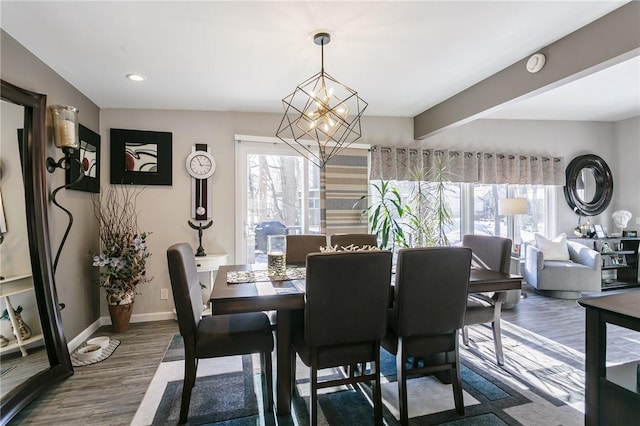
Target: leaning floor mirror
<point>33,349</point>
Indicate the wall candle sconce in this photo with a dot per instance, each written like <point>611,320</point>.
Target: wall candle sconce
<point>65,136</point>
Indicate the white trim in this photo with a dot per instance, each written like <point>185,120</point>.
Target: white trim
<point>272,139</point>
<point>150,317</point>
<point>551,209</point>
<point>85,334</point>
<point>467,209</point>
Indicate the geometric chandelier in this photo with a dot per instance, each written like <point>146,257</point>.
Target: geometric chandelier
<point>323,111</point>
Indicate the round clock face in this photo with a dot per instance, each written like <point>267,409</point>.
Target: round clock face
<point>200,164</point>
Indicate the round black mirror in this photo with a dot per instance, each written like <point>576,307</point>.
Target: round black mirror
<point>589,185</point>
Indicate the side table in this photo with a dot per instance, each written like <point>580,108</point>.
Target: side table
<point>207,266</point>
<point>612,395</point>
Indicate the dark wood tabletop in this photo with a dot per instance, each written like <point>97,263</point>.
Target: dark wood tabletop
<point>287,296</point>
<point>274,295</point>
<point>611,395</point>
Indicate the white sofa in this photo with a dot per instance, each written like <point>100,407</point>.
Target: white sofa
<point>564,279</point>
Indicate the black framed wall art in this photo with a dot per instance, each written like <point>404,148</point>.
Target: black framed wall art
<point>140,157</point>
<point>88,157</point>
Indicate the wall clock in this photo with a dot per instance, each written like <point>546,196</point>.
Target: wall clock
<point>201,166</point>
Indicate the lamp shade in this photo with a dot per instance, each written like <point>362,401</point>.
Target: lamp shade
<point>509,206</point>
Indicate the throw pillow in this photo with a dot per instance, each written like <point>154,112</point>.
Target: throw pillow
<point>555,249</point>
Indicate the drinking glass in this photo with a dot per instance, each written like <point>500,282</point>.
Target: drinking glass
<point>276,254</point>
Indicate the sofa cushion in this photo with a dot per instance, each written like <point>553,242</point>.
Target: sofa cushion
<point>555,249</point>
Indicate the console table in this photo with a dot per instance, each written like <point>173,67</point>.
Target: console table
<point>619,260</point>
<point>612,394</point>
<point>207,266</point>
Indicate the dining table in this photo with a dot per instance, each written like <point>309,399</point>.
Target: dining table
<point>251,290</point>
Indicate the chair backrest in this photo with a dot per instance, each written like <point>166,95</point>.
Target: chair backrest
<point>299,246</point>
<point>360,240</point>
<point>489,252</point>
<point>185,285</point>
<point>347,297</point>
<point>430,294</point>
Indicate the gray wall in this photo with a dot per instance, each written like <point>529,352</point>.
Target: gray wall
<point>626,174</point>
<point>164,210</point>
<point>75,278</point>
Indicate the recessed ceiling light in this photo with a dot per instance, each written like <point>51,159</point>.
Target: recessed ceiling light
<point>136,77</point>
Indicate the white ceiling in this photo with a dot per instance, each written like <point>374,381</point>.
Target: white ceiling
<point>401,57</point>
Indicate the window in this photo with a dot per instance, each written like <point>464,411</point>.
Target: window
<point>278,194</point>
<point>474,209</point>
<point>487,220</point>
<point>536,218</point>
<point>410,194</point>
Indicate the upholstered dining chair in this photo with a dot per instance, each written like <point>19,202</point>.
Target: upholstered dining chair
<point>430,300</point>
<point>215,335</point>
<point>347,296</point>
<point>299,246</point>
<point>357,240</point>
<point>492,253</point>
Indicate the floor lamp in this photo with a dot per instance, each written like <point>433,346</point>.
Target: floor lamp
<point>509,207</point>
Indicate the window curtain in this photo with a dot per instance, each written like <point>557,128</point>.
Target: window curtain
<point>342,182</point>
<point>401,163</point>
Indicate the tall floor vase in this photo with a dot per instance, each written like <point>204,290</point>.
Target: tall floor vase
<point>120,317</point>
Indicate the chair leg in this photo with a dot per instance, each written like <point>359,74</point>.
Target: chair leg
<point>401,372</point>
<point>377,390</point>
<point>293,371</point>
<point>194,382</point>
<point>456,381</point>
<point>265,360</point>
<point>190,368</point>
<point>313,395</point>
<point>465,336</point>
<point>497,339</point>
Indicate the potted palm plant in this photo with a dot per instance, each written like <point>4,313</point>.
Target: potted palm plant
<point>428,211</point>
<point>384,212</point>
<point>122,259</point>
<point>419,220</point>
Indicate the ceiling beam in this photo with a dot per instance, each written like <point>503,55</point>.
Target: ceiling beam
<point>605,42</point>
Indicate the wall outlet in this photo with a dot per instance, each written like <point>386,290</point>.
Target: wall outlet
<point>164,294</point>
<point>638,220</point>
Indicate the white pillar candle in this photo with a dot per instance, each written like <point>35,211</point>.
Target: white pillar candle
<point>65,126</point>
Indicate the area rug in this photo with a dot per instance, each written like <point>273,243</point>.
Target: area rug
<point>228,391</point>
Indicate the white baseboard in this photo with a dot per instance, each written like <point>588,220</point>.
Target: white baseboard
<point>87,332</point>
<point>84,335</point>
<point>156,316</point>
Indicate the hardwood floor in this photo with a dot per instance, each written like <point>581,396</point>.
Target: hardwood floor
<point>563,321</point>
<point>109,392</point>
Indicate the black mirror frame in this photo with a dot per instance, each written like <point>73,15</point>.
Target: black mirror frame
<point>604,185</point>
<point>34,155</point>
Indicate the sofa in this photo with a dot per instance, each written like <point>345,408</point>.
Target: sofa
<point>557,276</point>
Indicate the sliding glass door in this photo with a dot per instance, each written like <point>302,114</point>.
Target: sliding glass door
<point>277,193</point>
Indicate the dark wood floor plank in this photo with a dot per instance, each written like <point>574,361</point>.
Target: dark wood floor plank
<point>109,392</point>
